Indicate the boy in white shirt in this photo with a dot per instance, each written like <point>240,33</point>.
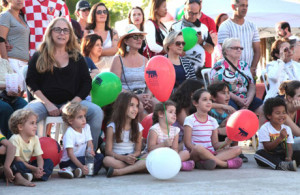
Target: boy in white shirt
<point>76,139</point>
<point>276,139</point>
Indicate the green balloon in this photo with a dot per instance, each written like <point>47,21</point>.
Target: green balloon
<point>106,87</point>
<point>190,38</point>
<point>180,14</point>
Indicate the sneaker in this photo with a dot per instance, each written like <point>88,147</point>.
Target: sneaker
<point>234,163</point>
<point>288,165</point>
<point>77,173</point>
<point>244,158</point>
<point>28,176</point>
<point>66,173</point>
<point>206,164</point>
<point>187,165</point>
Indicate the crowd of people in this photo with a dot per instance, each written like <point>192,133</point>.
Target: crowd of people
<point>61,56</point>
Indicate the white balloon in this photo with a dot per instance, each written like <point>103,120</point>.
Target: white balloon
<point>163,163</point>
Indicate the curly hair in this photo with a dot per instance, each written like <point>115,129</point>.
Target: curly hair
<point>271,103</point>
<point>19,117</point>
<point>70,111</point>
<point>159,107</point>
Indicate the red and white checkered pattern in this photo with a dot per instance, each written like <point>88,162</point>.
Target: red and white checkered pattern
<point>39,14</point>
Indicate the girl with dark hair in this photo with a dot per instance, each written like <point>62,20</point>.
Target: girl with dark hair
<point>98,23</point>
<point>124,137</point>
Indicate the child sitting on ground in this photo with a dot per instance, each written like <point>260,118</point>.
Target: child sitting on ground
<point>276,139</point>
<point>23,125</point>
<point>201,137</point>
<point>221,111</point>
<point>7,155</point>
<point>163,135</point>
<point>75,141</point>
<point>124,138</point>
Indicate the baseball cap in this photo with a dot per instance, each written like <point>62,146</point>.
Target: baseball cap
<point>81,5</point>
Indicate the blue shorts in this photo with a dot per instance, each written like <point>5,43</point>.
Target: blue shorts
<point>256,103</point>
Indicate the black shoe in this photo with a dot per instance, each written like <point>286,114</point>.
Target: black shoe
<point>244,158</point>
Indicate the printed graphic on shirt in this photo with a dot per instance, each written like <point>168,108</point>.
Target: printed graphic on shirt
<point>280,147</point>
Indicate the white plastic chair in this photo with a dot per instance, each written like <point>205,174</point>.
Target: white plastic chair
<point>206,73</point>
<point>60,126</point>
<point>264,74</point>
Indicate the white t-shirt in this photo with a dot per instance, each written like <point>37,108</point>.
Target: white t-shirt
<point>267,133</point>
<point>127,146</point>
<point>247,33</point>
<point>77,141</point>
<point>202,132</point>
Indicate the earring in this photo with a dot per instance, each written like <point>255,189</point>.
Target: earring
<point>127,48</point>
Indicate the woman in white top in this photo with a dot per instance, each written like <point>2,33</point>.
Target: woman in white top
<point>98,23</point>
<point>155,28</point>
<point>283,68</point>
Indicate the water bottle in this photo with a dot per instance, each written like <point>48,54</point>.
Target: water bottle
<point>89,161</point>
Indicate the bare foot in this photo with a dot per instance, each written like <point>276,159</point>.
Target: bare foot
<point>21,181</point>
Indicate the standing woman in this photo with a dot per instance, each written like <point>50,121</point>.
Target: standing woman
<point>58,73</point>
<point>136,16</point>
<point>15,31</point>
<point>98,23</point>
<point>173,45</point>
<point>156,30</point>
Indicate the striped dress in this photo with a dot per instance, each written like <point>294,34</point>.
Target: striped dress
<point>247,33</point>
<point>202,131</point>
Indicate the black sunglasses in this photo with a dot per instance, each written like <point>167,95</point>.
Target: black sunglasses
<point>99,12</point>
<point>178,43</point>
<point>136,37</point>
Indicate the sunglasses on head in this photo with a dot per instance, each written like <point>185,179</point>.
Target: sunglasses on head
<point>136,37</point>
<point>66,31</point>
<point>99,12</point>
<point>237,48</point>
<point>178,43</point>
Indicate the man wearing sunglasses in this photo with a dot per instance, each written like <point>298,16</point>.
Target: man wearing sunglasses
<point>196,55</point>
<point>246,31</point>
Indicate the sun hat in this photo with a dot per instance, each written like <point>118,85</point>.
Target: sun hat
<point>130,29</point>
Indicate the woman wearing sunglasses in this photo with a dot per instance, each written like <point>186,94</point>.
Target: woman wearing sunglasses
<point>237,75</point>
<point>173,45</point>
<point>282,68</point>
<point>129,66</point>
<point>98,23</point>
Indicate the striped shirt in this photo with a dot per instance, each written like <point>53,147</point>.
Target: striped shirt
<point>161,136</point>
<point>202,131</point>
<point>247,33</point>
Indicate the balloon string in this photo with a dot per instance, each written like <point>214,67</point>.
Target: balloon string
<point>287,151</point>
<point>141,158</point>
<point>166,120</point>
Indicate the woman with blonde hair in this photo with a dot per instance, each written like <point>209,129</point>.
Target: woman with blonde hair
<point>57,73</point>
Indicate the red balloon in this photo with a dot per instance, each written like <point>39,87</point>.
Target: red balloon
<point>51,150</point>
<point>242,125</point>
<point>160,77</point>
<point>147,123</point>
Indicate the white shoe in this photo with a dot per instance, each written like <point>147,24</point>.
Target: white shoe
<point>28,176</point>
<point>66,173</point>
<point>77,173</point>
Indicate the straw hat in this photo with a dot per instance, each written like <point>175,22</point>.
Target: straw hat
<point>130,30</point>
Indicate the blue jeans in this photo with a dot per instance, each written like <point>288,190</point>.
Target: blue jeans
<point>97,163</point>
<point>48,168</point>
<point>94,116</point>
<point>5,111</point>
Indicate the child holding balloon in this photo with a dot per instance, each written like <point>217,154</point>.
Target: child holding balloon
<point>276,139</point>
<point>124,138</point>
<point>163,134</point>
<point>201,137</point>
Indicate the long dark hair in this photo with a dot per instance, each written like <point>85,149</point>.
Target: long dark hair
<point>119,117</point>
<point>92,18</point>
<point>129,17</point>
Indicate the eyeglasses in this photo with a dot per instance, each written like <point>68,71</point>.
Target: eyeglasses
<point>178,43</point>
<point>99,12</point>
<point>58,30</point>
<point>193,14</point>
<point>237,48</point>
<point>137,37</point>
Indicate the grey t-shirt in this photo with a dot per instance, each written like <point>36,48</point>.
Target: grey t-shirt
<point>18,36</point>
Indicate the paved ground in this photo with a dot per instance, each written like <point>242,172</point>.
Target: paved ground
<point>249,179</point>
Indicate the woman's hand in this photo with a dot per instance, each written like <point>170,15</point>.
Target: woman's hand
<point>52,109</point>
<point>296,104</point>
<point>240,102</point>
<point>14,94</point>
<point>247,102</point>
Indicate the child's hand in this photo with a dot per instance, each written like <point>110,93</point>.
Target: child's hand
<point>228,141</point>
<point>229,109</point>
<point>84,170</point>
<point>8,174</point>
<point>38,172</point>
<point>93,153</point>
<point>283,133</point>
<point>130,159</point>
<point>168,143</point>
<point>288,159</point>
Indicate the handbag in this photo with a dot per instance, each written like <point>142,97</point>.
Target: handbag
<point>6,98</point>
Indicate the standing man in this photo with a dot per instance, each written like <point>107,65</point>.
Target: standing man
<point>196,55</point>
<point>38,14</point>
<point>246,31</point>
<point>283,30</point>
